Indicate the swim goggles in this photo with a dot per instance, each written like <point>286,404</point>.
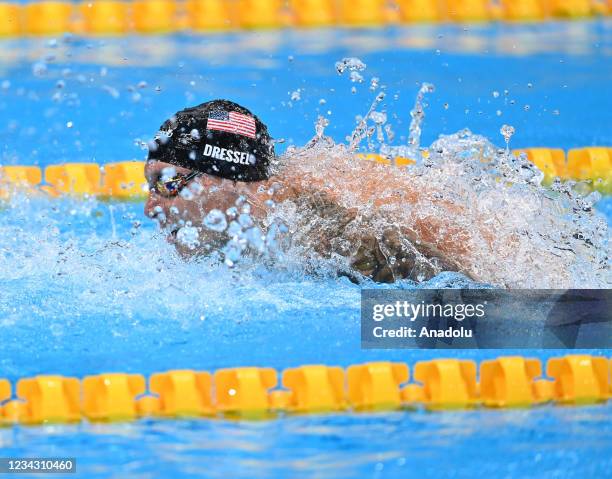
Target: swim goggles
<point>173,186</point>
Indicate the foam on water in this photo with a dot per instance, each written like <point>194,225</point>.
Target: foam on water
<point>65,248</point>
<point>79,296</point>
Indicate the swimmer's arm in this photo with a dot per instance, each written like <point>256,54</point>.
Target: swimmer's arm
<point>443,231</point>
<point>437,226</point>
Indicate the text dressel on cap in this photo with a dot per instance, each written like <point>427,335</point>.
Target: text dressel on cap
<point>226,154</point>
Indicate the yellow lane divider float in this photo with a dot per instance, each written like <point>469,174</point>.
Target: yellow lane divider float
<point>125,180</point>
<point>117,17</point>
<point>591,163</point>
<point>440,384</point>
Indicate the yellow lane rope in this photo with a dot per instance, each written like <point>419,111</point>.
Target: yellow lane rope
<point>112,17</point>
<point>253,393</point>
<point>125,180</point>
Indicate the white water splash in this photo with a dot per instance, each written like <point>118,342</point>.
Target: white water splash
<point>487,212</point>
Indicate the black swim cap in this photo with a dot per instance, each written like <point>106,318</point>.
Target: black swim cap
<point>219,138</point>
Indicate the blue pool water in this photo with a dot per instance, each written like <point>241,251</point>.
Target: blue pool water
<point>89,286</point>
<point>548,442</point>
<point>558,70</point>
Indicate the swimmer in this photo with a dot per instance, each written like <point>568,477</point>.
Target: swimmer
<point>205,158</point>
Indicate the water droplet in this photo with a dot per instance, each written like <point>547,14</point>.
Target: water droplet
<point>111,91</point>
<point>351,63</point>
<point>356,77</point>
<point>233,251</point>
<point>495,94</point>
<point>507,131</point>
<point>379,118</point>
<point>164,137</point>
<point>168,173</point>
<point>215,220</point>
<point>187,193</point>
<point>245,220</point>
<point>69,124</point>
<point>231,212</point>
<point>39,69</point>
<point>234,228</point>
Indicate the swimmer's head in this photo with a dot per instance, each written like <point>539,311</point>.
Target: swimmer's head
<point>218,138</point>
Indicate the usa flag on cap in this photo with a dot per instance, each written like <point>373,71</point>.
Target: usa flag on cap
<point>232,122</point>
